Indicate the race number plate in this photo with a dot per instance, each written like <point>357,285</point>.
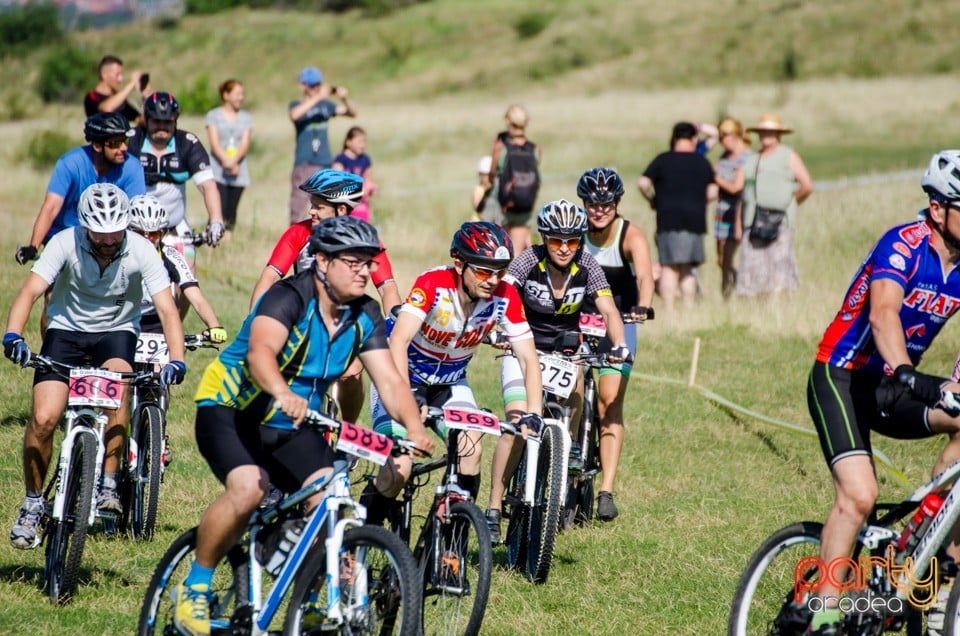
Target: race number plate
<point>94,387</point>
<point>472,420</point>
<point>152,349</point>
<point>364,443</point>
<point>592,325</point>
<point>559,375</point>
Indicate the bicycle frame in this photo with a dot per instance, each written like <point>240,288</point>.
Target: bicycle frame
<point>73,428</point>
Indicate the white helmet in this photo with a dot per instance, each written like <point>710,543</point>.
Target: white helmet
<point>146,214</point>
<point>562,217</point>
<point>943,175</point>
<point>104,207</point>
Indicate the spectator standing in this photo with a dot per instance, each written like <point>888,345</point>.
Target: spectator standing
<point>515,167</point>
<point>775,179</point>
<point>229,130</point>
<point>484,198</point>
<point>354,159</point>
<point>678,184</point>
<point>110,94</point>
<point>728,223</point>
<point>310,115</point>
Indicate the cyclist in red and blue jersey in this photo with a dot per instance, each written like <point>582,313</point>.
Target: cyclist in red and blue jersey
<point>865,379</point>
<point>301,336</point>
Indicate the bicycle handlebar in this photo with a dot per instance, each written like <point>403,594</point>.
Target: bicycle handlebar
<point>194,341</point>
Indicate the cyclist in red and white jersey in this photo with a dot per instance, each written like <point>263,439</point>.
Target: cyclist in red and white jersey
<point>332,193</point>
<point>447,314</point>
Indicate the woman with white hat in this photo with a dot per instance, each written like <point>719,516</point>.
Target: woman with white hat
<point>777,182</point>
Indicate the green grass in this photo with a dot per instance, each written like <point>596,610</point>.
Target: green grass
<point>699,488</point>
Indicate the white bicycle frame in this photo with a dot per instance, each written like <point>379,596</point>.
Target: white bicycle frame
<point>74,415</point>
<point>532,459</point>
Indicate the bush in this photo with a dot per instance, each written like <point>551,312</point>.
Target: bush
<point>66,74</point>
<point>44,148</point>
<point>201,7</point>
<point>32,25</point>
<point>531,24</point>
<point>199,97</point>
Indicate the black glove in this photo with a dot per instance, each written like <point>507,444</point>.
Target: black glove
<point>620,353</point>
<point>925,388</point>
<point>532,421</point>
<point>26,253</point>
<point>646,312</point>
<point>16,349</point>
<point>173,372</point>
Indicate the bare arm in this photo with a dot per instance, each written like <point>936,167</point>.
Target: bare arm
<point>267,278</point>
<point>170,320</point>
<point>308,102</point>
<point>732,187</point>
<point>49,209</point>
<point>494,164</point>
<point>526,354</point>
<point>115,101</point>
<point>389,295</point>
<point>645,186</point>
<point>712,192</point>
<point>201,305</point>
<point>346,107</point>
<point>213,135</point>
<point>802,176</point>
<point>886,299</point>
<point>33,287</point>
<point>404,330</point>
<point>637,249</point>
<point>211,200</point>
<point>395,394</point>
<point>611,316</point>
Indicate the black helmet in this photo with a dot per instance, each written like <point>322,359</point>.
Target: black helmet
<point>600,185</point>
<point>161,106</point>
<point>344,234</point>
<point>100,127</point>
<point>482,243</point>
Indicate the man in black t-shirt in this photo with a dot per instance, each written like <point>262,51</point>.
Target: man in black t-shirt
<point>678,185</point>
<point>110,94</point>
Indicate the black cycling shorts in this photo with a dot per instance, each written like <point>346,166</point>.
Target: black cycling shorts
<point>228,440</point>
<point>84,349</point>
<point>844,408</point>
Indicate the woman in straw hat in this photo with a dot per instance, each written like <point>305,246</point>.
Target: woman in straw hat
<point>728,228</point>
<point>775,179</point>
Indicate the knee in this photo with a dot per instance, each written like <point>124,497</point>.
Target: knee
<point>44,423</point>
<point>858,502</point>
<point>247,493</point>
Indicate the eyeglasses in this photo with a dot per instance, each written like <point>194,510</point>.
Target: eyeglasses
<point>356,265</point>
<point>556,242</point>
<point>113,144</point>
<point>486,273</point>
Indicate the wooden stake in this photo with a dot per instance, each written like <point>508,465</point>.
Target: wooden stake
<point>694,362</point>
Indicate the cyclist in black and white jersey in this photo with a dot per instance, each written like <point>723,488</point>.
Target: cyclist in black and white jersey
<point>170,156</point>
<point>554,279</point>
<point>98,272</point>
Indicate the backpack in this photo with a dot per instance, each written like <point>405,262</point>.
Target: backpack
<point>519,178</point>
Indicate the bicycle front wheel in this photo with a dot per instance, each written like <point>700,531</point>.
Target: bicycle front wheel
<point>764,599</point>
<point>518,528</point>
<point>379,589</point>
<point>230,610</point>
<point>455,564</point>
<point>144,483</point>
<point>545,513</point>
<point>67,537</point>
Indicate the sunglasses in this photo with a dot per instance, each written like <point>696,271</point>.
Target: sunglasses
<point>556,242</point>
<point>113,144</point>
<point>153,236</point>
<point>485,273</point>
<point>356,265</point>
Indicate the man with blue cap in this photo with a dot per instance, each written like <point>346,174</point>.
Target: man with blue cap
<point>310,115</point>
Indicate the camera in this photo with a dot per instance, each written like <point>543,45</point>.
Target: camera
<point>144,80</point>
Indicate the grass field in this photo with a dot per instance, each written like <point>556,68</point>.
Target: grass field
<point>699,488</point>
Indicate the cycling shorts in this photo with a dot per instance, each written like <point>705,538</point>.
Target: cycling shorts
<point>227,440</point>
<point>89,349</point>
<point>843,405</point>
<point>457,395</point>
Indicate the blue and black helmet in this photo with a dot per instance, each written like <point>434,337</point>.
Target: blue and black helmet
<point>600,185</point>
<point>335,187</point>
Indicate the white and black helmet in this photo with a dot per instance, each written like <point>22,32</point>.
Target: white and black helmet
<point>943,175</point>
<point>104,207</point>
<point>562,217</point>
<point>146,214</point>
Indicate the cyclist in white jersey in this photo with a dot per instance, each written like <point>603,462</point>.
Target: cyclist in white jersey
<point>98,271</point>
<point>623,252</point>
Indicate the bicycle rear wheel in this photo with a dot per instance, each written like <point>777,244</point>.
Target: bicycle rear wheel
<point>545,513</point>
<point>379,588</point>
<point>230,611</point>
<point>67,536</point>
<point>144,483</point>
<point>455,558</point>
<point>578,507</point>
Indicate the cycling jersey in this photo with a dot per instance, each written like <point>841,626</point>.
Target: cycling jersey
<point>92,299</point>
<point>310,360</point>
<point>930,296</point>
<point>74,173</point>
<point>180,278</point>
<point>445,342</point>
<point>549,316</point>
<point>291,251</point>
<point>617,268</point>
<point>166,172</point>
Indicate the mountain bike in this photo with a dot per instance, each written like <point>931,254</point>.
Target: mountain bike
<point>453,550</point>
<point>893,582</point>
<point>75,486</point>
<point>345,577</point>
<point>146,455</point>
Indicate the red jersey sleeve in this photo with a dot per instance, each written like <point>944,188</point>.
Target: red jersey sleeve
<point>287,249</point>
<point>424,292</point>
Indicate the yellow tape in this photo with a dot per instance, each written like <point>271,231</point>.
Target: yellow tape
<point>795,428</point>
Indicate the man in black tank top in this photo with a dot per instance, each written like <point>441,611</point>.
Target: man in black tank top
<point>623,252</point>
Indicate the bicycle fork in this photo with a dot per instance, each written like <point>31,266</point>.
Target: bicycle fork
<point>66,455</point>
